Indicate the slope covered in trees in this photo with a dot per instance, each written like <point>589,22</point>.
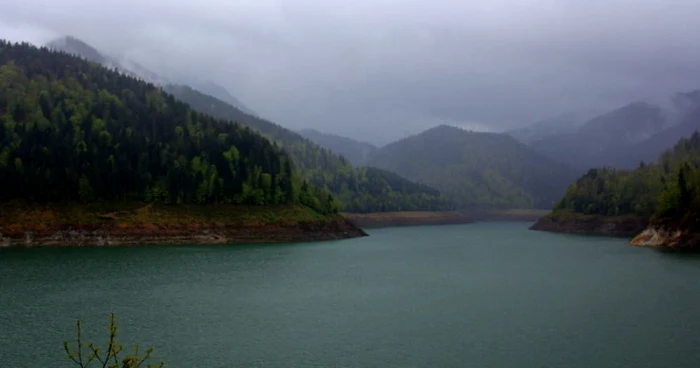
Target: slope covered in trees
<point>357,189</point>
<point>74,130</point>
<point>668,190</point>
<point>476,170</point>
<point>355,151</point>
<point>74,46</point>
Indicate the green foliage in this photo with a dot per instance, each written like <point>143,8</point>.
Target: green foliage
<point>113,356</point>
<point>476,170</point>
<point>668,190</point>
<point>73,130</point>
<point>353,189</point>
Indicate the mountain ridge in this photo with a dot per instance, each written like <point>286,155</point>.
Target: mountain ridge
<point>76,46</point>
<point>355,151</point>
<point>476,169</point>
<point>624,136</point>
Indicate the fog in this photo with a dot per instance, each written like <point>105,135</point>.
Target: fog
<point>379,70</point>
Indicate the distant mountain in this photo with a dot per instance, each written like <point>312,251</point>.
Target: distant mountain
<point>625,136</point>
<point>212,89</point>
<point>593,143</point>
<point>364,189</point>
<point>557,125</point>
<point>477,169</point>
<point>684,122</point>
<point>354,151</point>
<point>74,46</point>
<point>358,190</point>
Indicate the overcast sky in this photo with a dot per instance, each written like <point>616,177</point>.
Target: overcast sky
<point>381,69</point>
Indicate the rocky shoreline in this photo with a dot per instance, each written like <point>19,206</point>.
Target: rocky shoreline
<point>591,225</point>
<point>642,232</point>
<point>391,219</point>
<point>666,237</point>
<point>153,234</point>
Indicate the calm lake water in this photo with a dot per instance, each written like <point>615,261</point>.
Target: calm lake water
<point>479,295</point>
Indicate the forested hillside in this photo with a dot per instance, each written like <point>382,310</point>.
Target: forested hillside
<point>668,190</point>
<point>74,130</point>
<point>477,170</point>
<point>356,152</point>
<point>357,189</point>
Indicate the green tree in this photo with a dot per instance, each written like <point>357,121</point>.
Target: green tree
<point>83,354</point>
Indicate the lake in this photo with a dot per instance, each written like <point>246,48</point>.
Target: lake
<point>477,295</point>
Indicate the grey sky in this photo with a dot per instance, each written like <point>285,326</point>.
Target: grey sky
<point>381,69</point>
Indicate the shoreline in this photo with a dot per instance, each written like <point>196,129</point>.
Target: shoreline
<point>514,215</point>
<point>147,235</point>
<point>568,223</point>
<point>428,218</point>
<point>136,224</point>
<point>407,218</point>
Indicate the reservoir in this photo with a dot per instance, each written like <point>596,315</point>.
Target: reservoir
<point>475,295</point>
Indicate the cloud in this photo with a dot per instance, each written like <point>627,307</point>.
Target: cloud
<point>379,69</point>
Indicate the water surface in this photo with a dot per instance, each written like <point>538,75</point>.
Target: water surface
<point>478,295</point>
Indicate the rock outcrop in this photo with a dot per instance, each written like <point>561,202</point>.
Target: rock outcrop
<point>667,237</point>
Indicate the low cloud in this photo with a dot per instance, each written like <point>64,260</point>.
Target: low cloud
<point>382,69</point>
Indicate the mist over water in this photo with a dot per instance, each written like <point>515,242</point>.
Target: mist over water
<point>481,295</point>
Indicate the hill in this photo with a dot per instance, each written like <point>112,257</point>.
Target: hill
<point>684,123</point>
<point>623,137</point>
<point>72,131</point>
<point>592,144</point>
<point>357,189</point>
<point>665,194</point>
<point>555,126</point>
<point>355,151</point>
<point>476,170</point>
<point>75,46</point>
<point>217,91</point>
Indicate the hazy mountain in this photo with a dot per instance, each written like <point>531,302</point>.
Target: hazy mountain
<point>355,151</point>
<point>593,143</point>
<point>625,136</point>
<point>683,123</point>
<point>74,46</point>
<point>364,189</point>
<point>477,169</point>
<point>127,66</point>
<point>212,89</point>
<point>359,190</point>
<point>561,124</point>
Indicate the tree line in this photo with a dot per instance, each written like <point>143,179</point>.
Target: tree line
<point>72,130</point>
<point>665,191</point>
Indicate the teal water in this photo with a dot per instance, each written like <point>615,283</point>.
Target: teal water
<point>479,295</point>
